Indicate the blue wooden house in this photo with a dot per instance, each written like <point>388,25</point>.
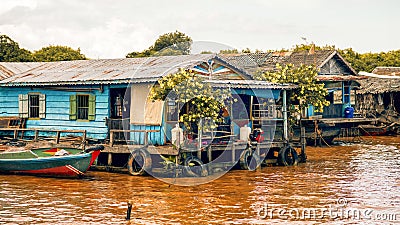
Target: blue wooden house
<point>111,94</point>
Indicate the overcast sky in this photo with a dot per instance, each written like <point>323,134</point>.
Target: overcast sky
<point>113,28</point>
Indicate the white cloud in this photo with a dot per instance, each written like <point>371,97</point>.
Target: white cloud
<point>110,28</point>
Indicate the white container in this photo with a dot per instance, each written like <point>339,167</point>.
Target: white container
<point>245,133</point>
<point>177,133</point>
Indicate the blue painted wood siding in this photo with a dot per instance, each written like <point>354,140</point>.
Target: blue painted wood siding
<point>57,110</point>
<point>155,138</point>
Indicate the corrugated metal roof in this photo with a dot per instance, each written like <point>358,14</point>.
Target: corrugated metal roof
<point>340,77</point>
<point>386,70</point>
<point>104,70</point>
<point>250,62</point>
<point>123,71</point>
<point>8,69</point>
<point>253,62</point>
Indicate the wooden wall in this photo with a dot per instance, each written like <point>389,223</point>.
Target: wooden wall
<point>57,109</point>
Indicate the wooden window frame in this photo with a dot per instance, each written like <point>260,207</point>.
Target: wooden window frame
<point>33,109</point>
<point>74,108</point>
<point>80,109</point>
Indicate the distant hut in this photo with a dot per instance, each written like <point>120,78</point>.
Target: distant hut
<point>337,75</point>
<point>379,95</point>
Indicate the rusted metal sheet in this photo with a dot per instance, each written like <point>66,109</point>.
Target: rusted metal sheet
<point>8,69</point>
<point>340,77</point>
<point>104,70</point>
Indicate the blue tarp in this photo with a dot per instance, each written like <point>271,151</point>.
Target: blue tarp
<point>262,93</point>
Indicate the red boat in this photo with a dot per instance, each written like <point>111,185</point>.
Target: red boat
<point>65,162</point>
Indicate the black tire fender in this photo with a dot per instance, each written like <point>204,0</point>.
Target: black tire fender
<point>288,156</point>
<point>194,167</point>
<point>249,160</point>
<point>139,162</point>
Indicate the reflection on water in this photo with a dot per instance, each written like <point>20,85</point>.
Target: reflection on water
<point>366,176</point>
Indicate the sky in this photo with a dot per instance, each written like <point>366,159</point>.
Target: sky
<point>113,28</point>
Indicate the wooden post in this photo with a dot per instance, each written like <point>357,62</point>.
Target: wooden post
<point>109,159</point>
<point>209,153</point>
<point>285,117</point>
<point>199,137</point>
<point>251,112</point>
<point>258,154</point>
<point>315,132</point>
<point>15,133</point>
<point>111,138</point>
<point>146,138</point>
<point>303,142</point>
<point>233,152</point>
<point>58,137</point>
<point>36,135</point>
<point>84,140</point>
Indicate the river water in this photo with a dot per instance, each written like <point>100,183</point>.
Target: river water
<point>354,184</point>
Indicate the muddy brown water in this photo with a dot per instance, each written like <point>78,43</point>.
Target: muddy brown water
<point>360,184</point>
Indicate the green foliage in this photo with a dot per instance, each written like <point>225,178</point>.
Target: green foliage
<point>206,52</point>
<point>304,47</point>
<point>368,61</point>
<point>309,90</point>
<point>175,43</point>
<point>246,50</point>
<point>57,53</point>
<point>360,62</point>
<point>203,100</point>
<point>11,52</point>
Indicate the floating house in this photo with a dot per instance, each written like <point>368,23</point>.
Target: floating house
<point>379,97</point>
<point>339,78</point>
<point>380,92</point>
<point>109,100</point>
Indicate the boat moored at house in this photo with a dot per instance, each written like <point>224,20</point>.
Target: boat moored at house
<point>109,100</point>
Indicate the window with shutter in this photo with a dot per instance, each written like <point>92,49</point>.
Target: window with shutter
<point>72,107</point>
<point>82,107</point>
<point>92,107</point>
<point>42,106</point>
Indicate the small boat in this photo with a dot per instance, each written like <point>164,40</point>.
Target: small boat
<point>372,130</point>
<point>59,162</point>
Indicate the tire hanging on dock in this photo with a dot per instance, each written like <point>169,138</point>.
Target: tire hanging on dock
<point>288,156</point>
<point>249,160</point>
<point>194,167</point>
<point>139,162</point>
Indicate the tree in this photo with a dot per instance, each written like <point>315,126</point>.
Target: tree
<point>203,100</point>
<point>368,61</point>
<point>11,52</point>
<point>307,47</point>
<point>174,43</point>
<point>58,53</point>
<point>206,52</point>
<point>310,91</point>
<point>229,51</point>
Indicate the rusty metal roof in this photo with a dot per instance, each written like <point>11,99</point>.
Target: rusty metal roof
<point>254,62</point>
<point>9,69</point>
<point>123,71</point>
<point>386,70</point>
<point>106,71</point>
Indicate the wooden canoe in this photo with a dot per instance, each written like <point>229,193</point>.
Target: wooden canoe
<point>49,162</point>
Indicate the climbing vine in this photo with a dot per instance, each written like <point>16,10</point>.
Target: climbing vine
<point>188,88</point>
<point>309,91</point>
